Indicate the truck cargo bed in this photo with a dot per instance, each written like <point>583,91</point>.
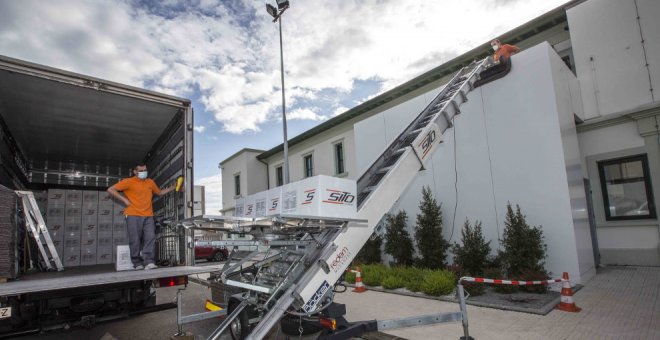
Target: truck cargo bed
<point>92,276</point>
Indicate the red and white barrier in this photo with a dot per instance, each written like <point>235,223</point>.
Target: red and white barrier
<point>566,303</point>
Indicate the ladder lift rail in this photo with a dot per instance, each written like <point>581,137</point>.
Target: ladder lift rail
<point>378,189</point>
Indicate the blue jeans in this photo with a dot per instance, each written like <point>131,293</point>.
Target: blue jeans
<point>141,236</point>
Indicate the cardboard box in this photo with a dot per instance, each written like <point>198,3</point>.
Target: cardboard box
<point>274,203</point>
<point>56,196</point>
<point>260,204</point>
<point>70,243</point>
<point>55,224</point>
<point>123,258</point>
<point>119,229</point>
<point>119,240</point>
<point>90,197</point>
<point>58,242</point>
<point>72,228</point>
<point>71,259</point>
<point>118,212</point>
<point>289,200</point>
<point>73,197</point>
<point>55,211</point>
<point>72,214</point>
<point>88,256</point>
<point>249,207</point>
<point>88,242</point>
<point>89,211</point>
<point>105,213</point>
<point>318,196</point>
<point>105,241</point>
<point>104,255</point>
<point>105,199</point>
<point>105,229</point>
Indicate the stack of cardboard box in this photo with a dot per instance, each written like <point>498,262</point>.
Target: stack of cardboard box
<point>55,219</point>
<point>104,253</point>
<point>85,226</point>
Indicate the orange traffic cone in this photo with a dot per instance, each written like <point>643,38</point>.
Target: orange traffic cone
<point>566,303</point>
<point>359,286</point>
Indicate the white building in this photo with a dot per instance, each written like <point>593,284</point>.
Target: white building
<point>575,143</point>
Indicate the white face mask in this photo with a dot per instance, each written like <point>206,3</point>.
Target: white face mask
<point>495,47</point>
<point>142,174</point>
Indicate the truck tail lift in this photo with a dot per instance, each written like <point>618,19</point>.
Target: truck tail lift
<point>299,260</point>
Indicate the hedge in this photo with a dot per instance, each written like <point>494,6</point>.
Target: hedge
<point>431,282</point>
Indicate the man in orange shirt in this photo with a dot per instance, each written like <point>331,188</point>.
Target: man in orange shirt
<point>138,194</point>
<point>502,51</point>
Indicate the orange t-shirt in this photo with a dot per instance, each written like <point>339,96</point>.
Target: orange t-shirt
<point>506,51</point>
<point>140,193</point>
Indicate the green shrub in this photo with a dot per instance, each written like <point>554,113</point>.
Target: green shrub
<point>393,282</point>
<point>438,282</point>
<point>474,288</point>
<point>371,251</point>
<point>349,277</point>
<point>496,273</point>
<point>374,274</point>
<point>414,278</point>
<point>472,253</point>
<point>428,233</point>
<point>397,239</point>
<point>534,276</point>
<point>523,248</point>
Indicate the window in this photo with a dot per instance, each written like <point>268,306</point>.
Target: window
<point>309,166</point>
<point>626,185</point>
<point>237,185</point>
<point>279,176</point>
<point>339,158</point>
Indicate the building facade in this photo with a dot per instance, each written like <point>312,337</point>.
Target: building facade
<point>571,134</point>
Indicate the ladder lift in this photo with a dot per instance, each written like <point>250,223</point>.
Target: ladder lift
<point>301,258</point>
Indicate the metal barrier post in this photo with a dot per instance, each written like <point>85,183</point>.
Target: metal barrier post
<point>461,301</point>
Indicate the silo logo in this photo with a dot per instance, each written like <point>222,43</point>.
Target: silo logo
<point>309,196</point>
<point>339,197</point>
<point>273,204</point>
<point>427,143</point>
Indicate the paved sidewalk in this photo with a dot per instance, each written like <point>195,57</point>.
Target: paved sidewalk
<point>618,303</point>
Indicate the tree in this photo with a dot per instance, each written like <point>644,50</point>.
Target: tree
<point>472,255</point>
<point>397,240</point>
<point>370,252</point>
<point>428,233</point>
<point>524,250</point>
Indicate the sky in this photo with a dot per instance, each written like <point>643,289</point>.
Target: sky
<point>224,55</point>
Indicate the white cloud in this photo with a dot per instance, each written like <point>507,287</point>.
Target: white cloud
<point>199,128</point>
<point>229,54</point>
<point>339,110</point>
<point>212,192</point>
<point>304,114</point>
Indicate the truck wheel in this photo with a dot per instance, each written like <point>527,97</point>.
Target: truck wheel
<point>217,257</point>
<point>239,328</point>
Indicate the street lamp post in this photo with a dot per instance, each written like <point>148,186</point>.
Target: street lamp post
<point>276,13</point>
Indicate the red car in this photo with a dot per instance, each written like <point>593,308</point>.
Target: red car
<point>205,250</point>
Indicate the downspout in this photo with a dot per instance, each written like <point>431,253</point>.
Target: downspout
<point>267,173</point>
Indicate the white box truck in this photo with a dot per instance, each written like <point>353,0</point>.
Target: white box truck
<point>62,130</point>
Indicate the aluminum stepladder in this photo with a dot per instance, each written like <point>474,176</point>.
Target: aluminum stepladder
<point>39,232</point>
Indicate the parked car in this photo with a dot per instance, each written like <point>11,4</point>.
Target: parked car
<point>205,250</point>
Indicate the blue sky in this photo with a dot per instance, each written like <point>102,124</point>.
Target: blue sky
<point>224,55</point>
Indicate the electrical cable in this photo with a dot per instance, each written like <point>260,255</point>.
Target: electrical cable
<point>453,223</point>
<point>490,167</point>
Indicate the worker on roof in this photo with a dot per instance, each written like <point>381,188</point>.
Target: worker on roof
<point>505,50</point>
<point>499,64</point>
<point>138,193</point>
